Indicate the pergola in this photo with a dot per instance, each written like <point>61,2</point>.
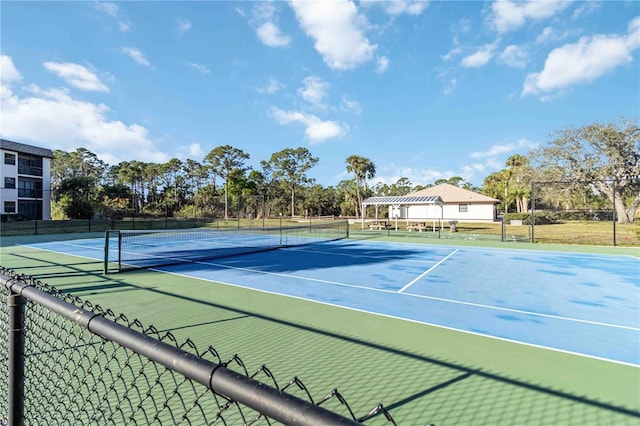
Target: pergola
<point>397,202</point>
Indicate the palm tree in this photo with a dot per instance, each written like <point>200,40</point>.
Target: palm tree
<point>515,163</point>
<point>363,169</point>
<point>506,177</point>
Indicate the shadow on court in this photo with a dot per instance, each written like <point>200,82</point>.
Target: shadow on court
<point>417,388</point>
<point>86,276</point>
<point>315,256</point>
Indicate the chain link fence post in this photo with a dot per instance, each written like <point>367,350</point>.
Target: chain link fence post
<point>15,305</point>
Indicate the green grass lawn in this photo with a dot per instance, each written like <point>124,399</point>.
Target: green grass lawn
<point>569,232</point>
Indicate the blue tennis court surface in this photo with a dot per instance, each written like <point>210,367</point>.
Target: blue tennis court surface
<point>576,303</point>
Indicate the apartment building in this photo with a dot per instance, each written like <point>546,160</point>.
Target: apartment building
<point>25,179</point>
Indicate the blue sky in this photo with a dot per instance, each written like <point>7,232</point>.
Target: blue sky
<point>426,90</point>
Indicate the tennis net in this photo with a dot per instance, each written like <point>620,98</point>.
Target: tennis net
<point>126,250</point>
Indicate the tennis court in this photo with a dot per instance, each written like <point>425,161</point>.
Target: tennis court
<point>581,304</point>
<point>520,335</point>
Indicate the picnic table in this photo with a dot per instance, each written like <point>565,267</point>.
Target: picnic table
<point>379,225</point>
<point>416,226</point>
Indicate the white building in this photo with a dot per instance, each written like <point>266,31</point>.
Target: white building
<point>25,176</point>
<point>458,204</point>
<point>441,203</point>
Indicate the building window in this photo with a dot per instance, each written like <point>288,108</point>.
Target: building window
<point>463,208</point>
<point>9,158</point>
<point>30,165</point>
<point>9,183</point>
<point>9,206</point>
<point>29,188</point>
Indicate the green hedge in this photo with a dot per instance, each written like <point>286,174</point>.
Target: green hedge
<point>542,218</point>
<point>12,217</point>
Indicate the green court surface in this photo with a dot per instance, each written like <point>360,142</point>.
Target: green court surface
<point>422,374</point>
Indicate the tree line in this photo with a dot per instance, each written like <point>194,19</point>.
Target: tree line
<point>579,168</point>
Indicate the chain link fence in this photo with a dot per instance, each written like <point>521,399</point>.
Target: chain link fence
<point>66,361</point>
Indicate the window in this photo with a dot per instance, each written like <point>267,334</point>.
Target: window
<point>9,158</point>
<point>29,188</point>
<point>9,206</point>
<point>29,165</point>
<point>9,183</point>
<point>463,208</point>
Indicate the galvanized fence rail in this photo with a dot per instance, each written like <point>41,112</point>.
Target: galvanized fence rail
<point>66,361</point>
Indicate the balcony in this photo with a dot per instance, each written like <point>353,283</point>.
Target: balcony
<point>29,170</point>
<point>29,193</point>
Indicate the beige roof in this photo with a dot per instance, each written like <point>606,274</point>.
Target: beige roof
<point>453,194</point>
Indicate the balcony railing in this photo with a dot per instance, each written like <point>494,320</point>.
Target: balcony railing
<point>29,170</point>
<point>29,193</point>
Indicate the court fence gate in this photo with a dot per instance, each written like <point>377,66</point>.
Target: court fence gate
<point>67,361</point>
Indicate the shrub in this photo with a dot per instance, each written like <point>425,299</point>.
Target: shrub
<point>12,217</point>
<point>542,218</point>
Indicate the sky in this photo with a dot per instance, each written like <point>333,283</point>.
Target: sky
<point>426,90</point>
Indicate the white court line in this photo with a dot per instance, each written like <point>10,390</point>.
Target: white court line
<point>518,311</point>
<point>279,274</point>
<point>419,277</point>
<point>409,319</point>
<point>399,258</point>
<point>439,299</point>
<point>62,253</point>
<point>419,296</point>
<point>77,245</point>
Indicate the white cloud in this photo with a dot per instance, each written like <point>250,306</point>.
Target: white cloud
<point>495,157</point>
<point>268,32</point>
<point>113,10</point>
<point>410,7</point>
<point>586,8</point>
<point>508,15</point>
<point>383,65</point>
<point>272,87</point>
<point>107,7</point>
<point>398,7</point>
<point>453,83</point>
<point>350,105</point>
<point>271,35</point>
<point>8,72</point>
<point>337,29</point>
<point>465,25</point>
<point>480,57</point>
<point>453,52</point>
<point>391,173</point>
<point>77,76</point>
<point>203,69</point>
<point>53,118</point>
<point>195,150</point>
<point>184,25</point>
<point>316,130</point>
<point>549,34</point>
<point>492,159</point>
<point>515,56</point>
<point>546,34</point>
<point>469,170</point>
<point>501,149</point>
<point>314,90</point>
<point>136,55</point>
<point>584,61</point>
